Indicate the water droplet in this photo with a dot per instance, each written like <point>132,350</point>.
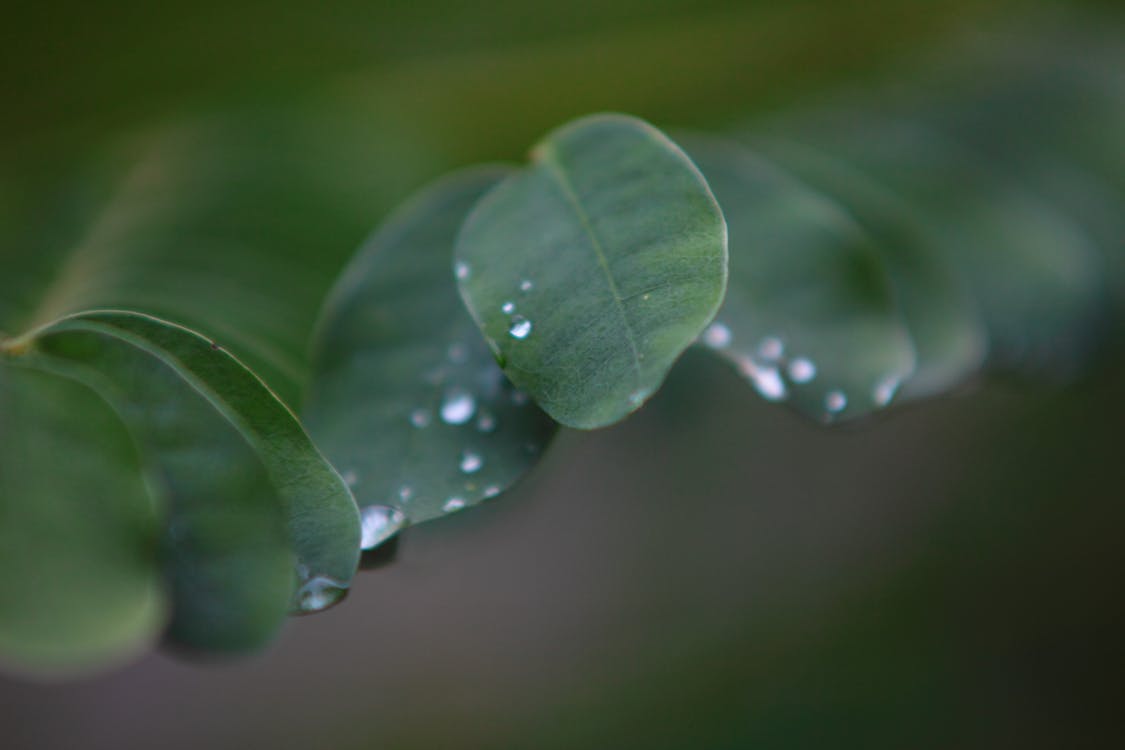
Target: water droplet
<point>520,398</point>
<point>526,286</point>
<point>461,269</point>
<point>405,492</point>
<point>378,523</point>
<point>471,462</point>
<point>420,418</point>
<point>767,380</point>
<point>485,421</point>
<point>717,335</point>
<point>458,406</point>
<point>885,390</point>
<point>508,308</point>
<point>319,593</point>
<point>458,353</point>
<point>637,397</point>
<point>771,348</point>
<point>349,478</point>
<point>453,503</point>
<point>520,328</point>
<point>835,401</point>
<point>491,491</point>
<point>802,370</point>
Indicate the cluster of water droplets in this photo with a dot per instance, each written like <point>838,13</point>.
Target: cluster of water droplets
<point>773,373</point>
<point>472,395</point>
<point>519,327</point>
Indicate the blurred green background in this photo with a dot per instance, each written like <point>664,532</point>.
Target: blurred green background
<point>714,573</point>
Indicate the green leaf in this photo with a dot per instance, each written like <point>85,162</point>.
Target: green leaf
<point>257,521</point>
<point>78,531</point>
<point>810,316</point>
<point>945,327</point>
<point>406,398</point>
<point>592,269</point>
<point>1037,279</point>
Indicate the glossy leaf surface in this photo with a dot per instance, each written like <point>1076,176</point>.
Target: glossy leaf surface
<point>593,268</point>
<point>945,326</point>
<point>78,530</point>
<point>406,397</point>
<point>810,316</point>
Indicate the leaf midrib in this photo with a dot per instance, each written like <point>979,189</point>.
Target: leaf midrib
<point>549,158</point>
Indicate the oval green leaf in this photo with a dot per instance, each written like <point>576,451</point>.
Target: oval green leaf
<point>810,317</point>
<point>592,269</point>
<point>945,326</point>
<point>1037,279</point>
<point>405,396</point>
<point>78,531</point>
<point>252,506</point>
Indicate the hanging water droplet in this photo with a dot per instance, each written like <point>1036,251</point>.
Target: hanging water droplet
<point>835,401</point>
<point>458,353</point>
<point>885,390</point>
<point>520,398</point>
<point>378,523</point>
<point>349,478</point>
<point>508,308</point>
<point>471,462</point>
<point>458,406</point>
<point>766,380</point>
<point>318,593</point>
<point>637,397</point>
<point>405,492</point>
<point>526,286</point>
<point>461,269</point>
<point>420,418</point>
<point>801,370</point>
<point>717,335</point>
<point>520,328</point>
<point>485,421</point>
<point>771,348</point>
<point>491,491</point>
<point>453,503</point>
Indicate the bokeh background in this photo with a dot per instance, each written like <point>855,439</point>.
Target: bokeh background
<point>713,573</point>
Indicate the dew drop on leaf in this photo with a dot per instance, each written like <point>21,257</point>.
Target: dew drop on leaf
<point>471,462</point>
<point>378,523</point>
<point>885,390</point>
<point>319,593</point>
<point>771,348</point>
<point>717,336</point>
<point>835,401</point>
<point>458,406</point>
<point>767,380</point>
<point>485,421</point>
<point>802,370</point>
<point>520,328</point>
